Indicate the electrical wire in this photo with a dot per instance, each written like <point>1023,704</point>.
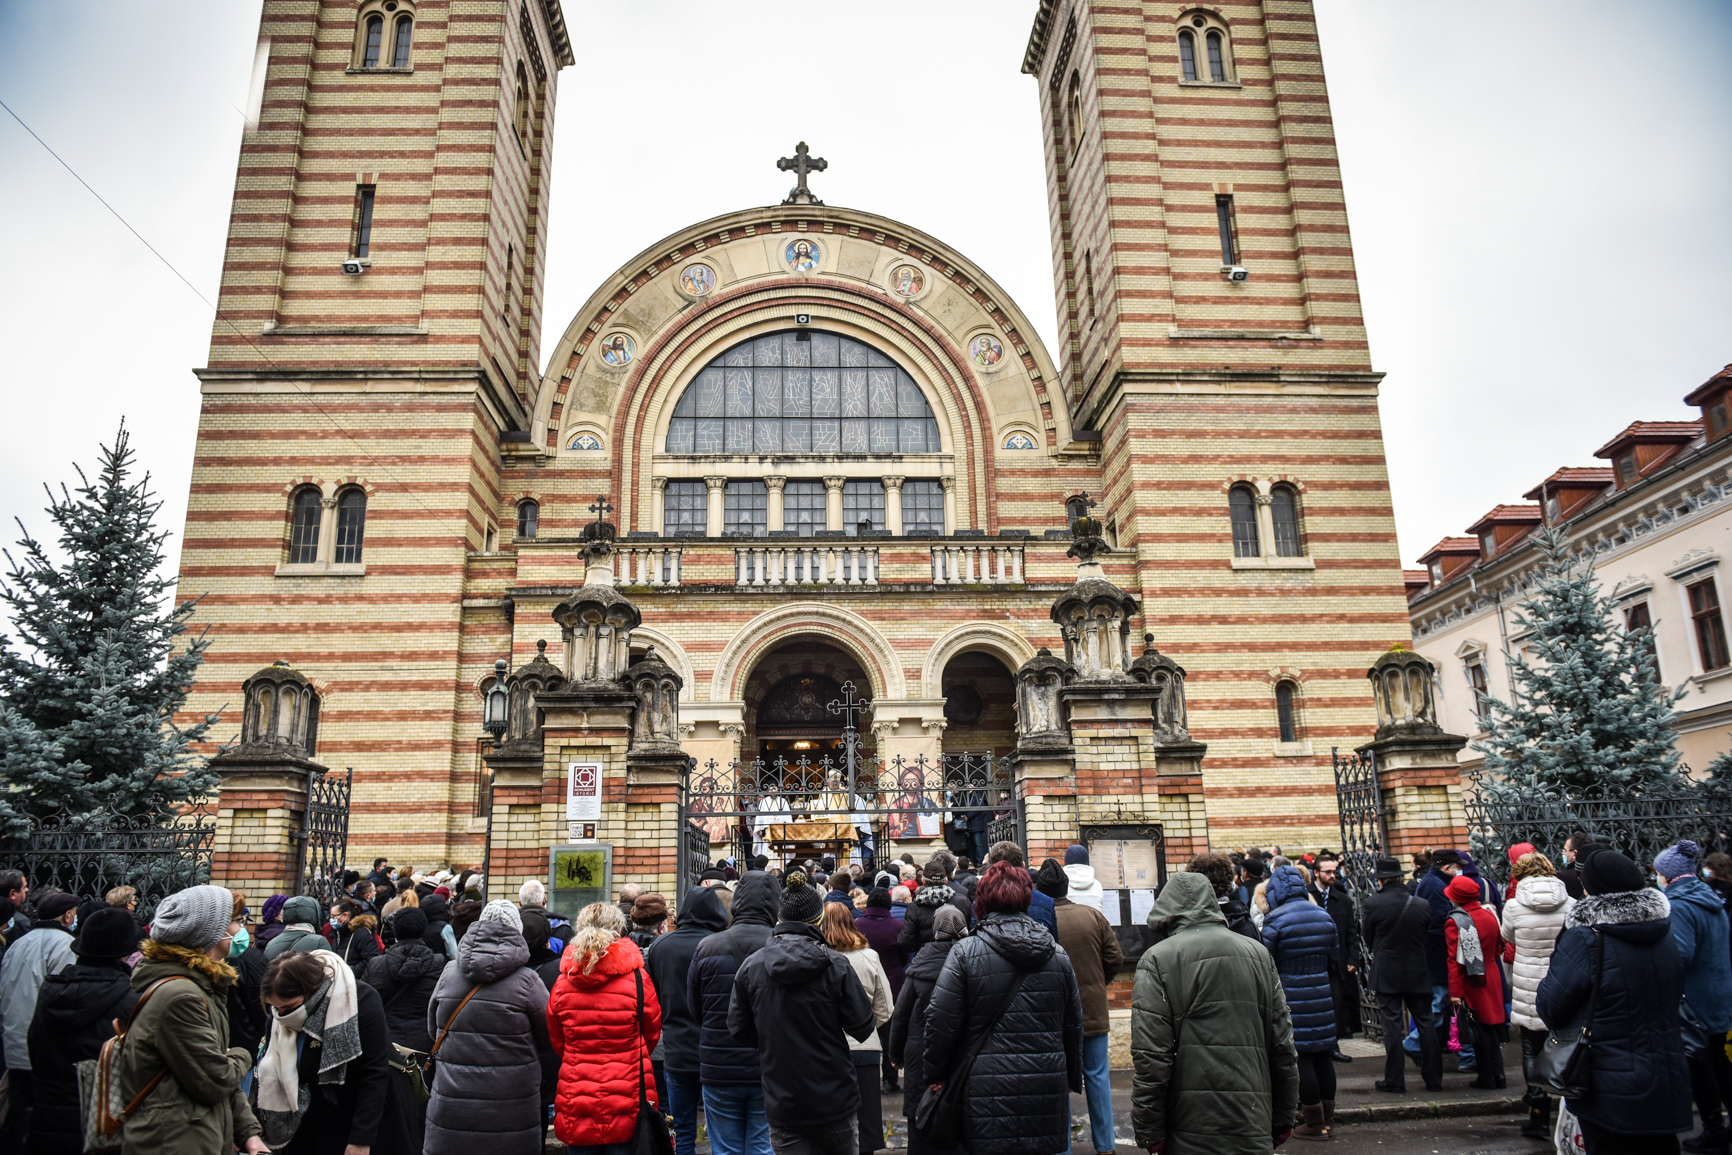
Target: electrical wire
<point>217,313</point>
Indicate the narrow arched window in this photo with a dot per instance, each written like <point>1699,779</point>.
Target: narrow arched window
<point>1187,55</point>
<point>1284,511</point>
<point>528,519</point>
<point>405,34</point>
<point>1284,712</point>
<point>1073,111</point>
<point>522,108</point>
<point>375,38</point>
<point>1217,63</point>
<point>304,528</point>
<point>351,526</point>
<point>1242,506</point>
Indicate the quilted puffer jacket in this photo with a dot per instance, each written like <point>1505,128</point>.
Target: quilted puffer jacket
<point>1636,1069</point>
<point>1532,921</point>
<point>1699,927</point>
<point>486,1089</point>
<point>405,977</point>
<point>603,1047</point>
<point>1302,939</point>
<point>723,1059</point>
<point>1017,1101</point>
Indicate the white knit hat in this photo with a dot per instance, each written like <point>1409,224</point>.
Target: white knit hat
<point>197,917</point>
<point>500,910</point>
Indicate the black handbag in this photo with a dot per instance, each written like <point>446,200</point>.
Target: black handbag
<point>1561,1066</point>
<point>652,1136</point>
<point>939,1115</point>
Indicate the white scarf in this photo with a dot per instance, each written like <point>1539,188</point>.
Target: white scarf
<point>328,1016</point>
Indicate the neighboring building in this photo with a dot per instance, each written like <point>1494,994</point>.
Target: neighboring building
<point>388,495</point>
<point>1657,519</point>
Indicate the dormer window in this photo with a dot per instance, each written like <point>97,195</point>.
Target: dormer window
<point>1552,509</point>
<point>1717,418</point>
<point>1627,470</point>
<point>1487,544</point>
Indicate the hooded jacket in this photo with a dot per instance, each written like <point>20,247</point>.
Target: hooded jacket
<point>439,937</point>
<point>1636,1068</point>
<point>1532,920</point>
<point>1085,888</point>
<point>1017,1101</point>
<point>42,950</point>
<point>75,1014</point>
<point>722,1059</point>
<point>1302,939</point>
<point>669,963</point>
<point>603,1045</point>
<point>796,1001</point>
<point>908,1021</point>
<point>1214,1069</point>
<point>301,918</point>
<point>487,1086</point>
<point>357,944</point>
<point>198,1108</point>
<point>916,929</point>
<point>1699,928</point>
<point>405,977</point>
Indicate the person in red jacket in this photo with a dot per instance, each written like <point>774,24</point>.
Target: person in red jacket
<point>602,1039</point>
<point>1474,951</point>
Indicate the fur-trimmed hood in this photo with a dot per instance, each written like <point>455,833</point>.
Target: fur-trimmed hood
<point>934,895</point>
<point>1634,915</point>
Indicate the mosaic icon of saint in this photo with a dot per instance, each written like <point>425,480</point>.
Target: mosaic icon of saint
<point>697,280</point>
<point>802,256</point>
<point>986,351</point>
<point>617,350</point>
<point>907,280</point>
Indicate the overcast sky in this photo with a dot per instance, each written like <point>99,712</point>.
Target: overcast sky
<point>1540,196</point>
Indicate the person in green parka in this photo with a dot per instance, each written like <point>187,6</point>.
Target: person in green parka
<point>182,1029</point>
<point>1211,1038</point>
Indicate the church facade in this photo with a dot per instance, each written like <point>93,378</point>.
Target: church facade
<point>803,446</point>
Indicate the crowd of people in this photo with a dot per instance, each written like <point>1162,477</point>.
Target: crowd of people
<point>411,1016</point>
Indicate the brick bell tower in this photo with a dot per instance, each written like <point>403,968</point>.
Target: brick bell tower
<point>1210,332</point>
<point>378,335</point>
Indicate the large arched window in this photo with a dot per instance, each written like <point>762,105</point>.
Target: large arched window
<point>1242,507</point>
<point>801,391</point>
<point>1284,512</point>
<point>304,527</point>
<point>1205,49</point>
<point>351,526</point>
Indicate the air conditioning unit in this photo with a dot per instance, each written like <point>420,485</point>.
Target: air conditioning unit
<point>1238,273</point>
<point>353,268</point>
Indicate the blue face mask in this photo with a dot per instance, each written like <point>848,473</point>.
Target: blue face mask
<point>239,946</point>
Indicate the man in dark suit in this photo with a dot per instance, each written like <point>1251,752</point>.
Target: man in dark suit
<point>1396,924</point>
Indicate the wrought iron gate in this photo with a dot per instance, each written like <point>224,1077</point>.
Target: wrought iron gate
<point>1364,834</point>
<point>89,854</point>
<point>857,804</point>
<point>324,835</point>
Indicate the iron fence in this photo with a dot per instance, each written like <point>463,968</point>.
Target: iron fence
<point>325,835</point>
<point>90,853</point>
<point>1364,834</point>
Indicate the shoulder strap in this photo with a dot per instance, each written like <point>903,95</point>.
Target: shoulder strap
<point>991,1025</point>
<point>642,1095</point>
<point>119,1038</point>
<point>447,1028</point>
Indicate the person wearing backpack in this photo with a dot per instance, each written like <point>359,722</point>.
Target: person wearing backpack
<point>179,1035</point>
<point>405,977</point>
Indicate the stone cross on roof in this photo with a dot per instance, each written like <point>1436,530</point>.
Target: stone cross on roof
<point>801,164</point>
<point>601,508</point>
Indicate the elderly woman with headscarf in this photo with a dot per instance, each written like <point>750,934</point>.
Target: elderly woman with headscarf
<point>324,1085</point>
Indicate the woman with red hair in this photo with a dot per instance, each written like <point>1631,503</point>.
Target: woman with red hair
<point>1008,997</point>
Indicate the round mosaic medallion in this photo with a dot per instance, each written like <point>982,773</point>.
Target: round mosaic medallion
<point>986,351</point>
<point>618,349</point>
<point>907,281</point>
<point>802,255</point>
<point>697,280</point>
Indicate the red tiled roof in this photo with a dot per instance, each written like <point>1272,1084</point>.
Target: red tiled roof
<point>1572,475</point>
<point>1520,514</point>
<point>1651,431</point>
<point>1700,393</point>
<point>1450,545</point>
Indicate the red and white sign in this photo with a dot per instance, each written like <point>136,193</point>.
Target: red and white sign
<point>583,792</point>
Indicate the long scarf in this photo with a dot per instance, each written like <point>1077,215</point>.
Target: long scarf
<point>1467,947</point>
<point>328,1018</point>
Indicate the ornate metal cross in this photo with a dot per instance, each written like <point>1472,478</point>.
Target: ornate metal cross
<point>1087,501</point>
<point>849,706</point>
<point>601,508</point>
<point>800,164</point>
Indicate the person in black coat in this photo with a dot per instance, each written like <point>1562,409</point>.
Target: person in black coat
<point>1396,925</point>
<point>1017,1100</point>
<point>733,1088</point>
<point>669,963</point>
<point>353,935</point>
<point>1330,892</point>
<point>369,1108</point>
<point>405,977</point>
<point>247,1018</point>
<point>935,890</point>
<point>907,1048</point>
<point>793,1002</point>
<point>75,1014</point>
<point>1639,1081</point>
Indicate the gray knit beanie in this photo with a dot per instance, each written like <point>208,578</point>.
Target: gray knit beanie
<point>197,917</point>
<point>499,910</point>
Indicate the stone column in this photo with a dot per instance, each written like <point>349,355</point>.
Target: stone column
<point>527,807</point>
<point>658,503</point>
<point>893,505</point>
<point>833,502</point>
<point>949,484</point>
<point>774,518</point>
<point>713,524</point>
<point>1417,771</point>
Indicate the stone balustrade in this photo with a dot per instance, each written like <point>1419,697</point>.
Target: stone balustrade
<point>971,564</point>
<point>839,564</point>
<point>650,565</point>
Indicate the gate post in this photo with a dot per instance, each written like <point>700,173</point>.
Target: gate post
<point>262,800</point>
<point>1417,771</point>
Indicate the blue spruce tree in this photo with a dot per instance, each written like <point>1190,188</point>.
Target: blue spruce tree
<point>97,666</point>
<point>1588,717</point>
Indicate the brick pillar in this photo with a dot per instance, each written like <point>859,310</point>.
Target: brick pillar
<point>261,812</point>
<point>1417,771</point>
<point>591,722</point>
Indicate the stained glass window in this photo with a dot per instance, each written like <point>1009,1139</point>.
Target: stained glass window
<point>685,508</point>
<point>780,394</point>
<point>803,507</point>
<point>1019,441</point>
<point>922,507</point>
